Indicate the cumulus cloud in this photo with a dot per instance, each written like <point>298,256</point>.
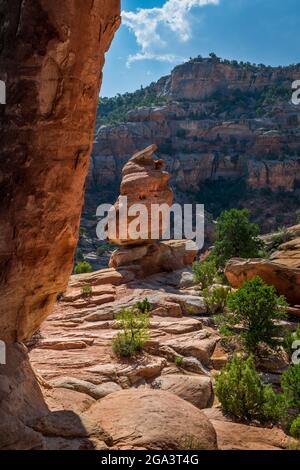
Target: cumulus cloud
<point>152,25</point>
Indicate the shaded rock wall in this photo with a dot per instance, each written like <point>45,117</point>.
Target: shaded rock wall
<point>51,56</point>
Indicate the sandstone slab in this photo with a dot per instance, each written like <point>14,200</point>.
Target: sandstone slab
<point>236,436</point>
<point>83,386</point>
<point>200,345</point>
<point>197,390</point>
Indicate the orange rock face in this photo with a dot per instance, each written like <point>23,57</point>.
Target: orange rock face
<point>51,59</point>
<point>143,182</point>
<point>286,280</point>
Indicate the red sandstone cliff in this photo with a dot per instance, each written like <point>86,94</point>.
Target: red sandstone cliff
<point>51,57</point>
<point>219,120</point>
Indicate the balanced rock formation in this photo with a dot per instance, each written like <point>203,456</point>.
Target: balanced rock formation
<point>143,182</point>
<point>286,280</point>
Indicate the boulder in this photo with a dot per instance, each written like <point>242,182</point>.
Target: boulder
<point>199,344</point>
<point>152,420</point>
<point>59,399</point>
<point>69,425</point>
<point>288,254</point>
<point>197,390</point>
<point>102,277</point>
<point>286,280</point>
<point>164,256</point>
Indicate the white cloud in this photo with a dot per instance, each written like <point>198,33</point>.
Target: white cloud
<point>150,26</point>
<point>151,56</point>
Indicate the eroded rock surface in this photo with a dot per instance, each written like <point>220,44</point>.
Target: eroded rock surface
<point>237,436</point>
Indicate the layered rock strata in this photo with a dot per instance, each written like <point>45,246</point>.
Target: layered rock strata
<point>210,128</point>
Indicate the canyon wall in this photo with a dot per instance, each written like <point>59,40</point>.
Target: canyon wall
<point>219,121</point>
<point>51,56</point>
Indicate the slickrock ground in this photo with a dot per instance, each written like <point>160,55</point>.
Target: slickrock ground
<point>72,355</point>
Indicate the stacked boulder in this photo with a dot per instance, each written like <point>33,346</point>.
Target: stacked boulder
<point>145,183</point>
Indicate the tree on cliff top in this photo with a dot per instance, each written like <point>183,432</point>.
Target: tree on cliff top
<point>237,237</point>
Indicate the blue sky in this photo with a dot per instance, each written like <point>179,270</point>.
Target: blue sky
<point>156,35</point>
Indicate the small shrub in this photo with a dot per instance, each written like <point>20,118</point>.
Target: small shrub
<point>205,272</point>
<point>295,428</point>
<point>216,299</point>
<point>102,249</point>
<point>143,306</point>
<point>282,236</point>
<point>86,291</point>
<point>236,237</point>
<point>135,325</point>
<point>242,393</point>
<point>290,383</point>
<point>83,267</point>
<point>289,399</point>
<point>178,361</point>
<point>256,307</point>
<point>190,310</point>
<point>294,446</point>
